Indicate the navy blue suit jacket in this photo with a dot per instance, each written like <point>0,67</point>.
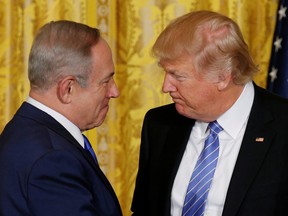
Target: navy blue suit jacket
<point>259,183</point>
<point>44,171</point>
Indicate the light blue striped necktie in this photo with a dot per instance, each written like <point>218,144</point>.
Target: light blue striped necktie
<point>88,147</point>
<point>202,176</point>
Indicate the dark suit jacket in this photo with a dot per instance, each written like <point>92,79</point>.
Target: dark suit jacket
<point>44,171</point>
<point>259,184</point>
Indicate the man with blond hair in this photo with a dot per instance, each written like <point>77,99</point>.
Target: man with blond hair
<point>222,147</point>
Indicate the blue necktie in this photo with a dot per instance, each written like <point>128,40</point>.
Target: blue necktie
<point>203,173</point>
<point>88,147</point>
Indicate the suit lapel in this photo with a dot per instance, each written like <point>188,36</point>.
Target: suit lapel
<point>52,124</point>
<point>255,145</point>
<point>91,161</point>
<point>97,168</point>
<point>174,148</point>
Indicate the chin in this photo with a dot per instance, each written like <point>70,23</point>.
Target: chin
<point>101,119</point>
<point>185,112</point>
<point>179,108</point>
<point>98,122</point>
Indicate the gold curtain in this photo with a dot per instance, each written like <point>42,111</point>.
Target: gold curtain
<point>130,27</point>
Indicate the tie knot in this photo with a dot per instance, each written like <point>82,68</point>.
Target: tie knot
<point>88,147</point>
<point>215,127</point>
<point>87,144</point>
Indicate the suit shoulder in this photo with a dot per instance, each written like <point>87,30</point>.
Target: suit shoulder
<point>169,109</point>
<point>271,99</point>
<point>165,114</point>
<point>267,104</point>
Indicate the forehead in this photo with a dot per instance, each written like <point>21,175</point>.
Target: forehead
<point>183,62</point>
<point>102,59</point>
<point>101,49</point>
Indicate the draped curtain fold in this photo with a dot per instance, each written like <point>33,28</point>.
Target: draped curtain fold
<point>130,27</point>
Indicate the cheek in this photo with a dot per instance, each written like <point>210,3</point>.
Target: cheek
<point>199,96</point>
<point>190,92</point>
<point>95,105</point>
<point>98,101</point>
<point>207,98</point>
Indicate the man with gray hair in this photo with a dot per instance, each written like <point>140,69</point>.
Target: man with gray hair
<point>47,165</point>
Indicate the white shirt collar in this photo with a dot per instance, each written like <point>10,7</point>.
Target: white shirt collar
<point>200,128</point>
<point>234,118</point>
<point>68,125</point>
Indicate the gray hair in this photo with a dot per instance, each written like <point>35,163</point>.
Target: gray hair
<point>60,49</point>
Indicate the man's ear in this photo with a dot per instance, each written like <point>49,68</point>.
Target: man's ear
<point>224,80</point>
<point>65,89</point>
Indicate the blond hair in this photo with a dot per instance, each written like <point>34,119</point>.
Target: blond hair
<point>213,40</point>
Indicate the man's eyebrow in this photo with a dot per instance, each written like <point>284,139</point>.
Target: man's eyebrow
<point>109,76</point>
<point>171,71</point>
<point>112,73</point>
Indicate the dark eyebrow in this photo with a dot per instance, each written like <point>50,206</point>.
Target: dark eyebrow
<point>109,76</point>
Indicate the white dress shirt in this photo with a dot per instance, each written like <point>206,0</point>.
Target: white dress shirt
<point>233,122</point>
<point>68,125</point>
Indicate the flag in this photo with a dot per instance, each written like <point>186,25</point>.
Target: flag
<point>277,80</point>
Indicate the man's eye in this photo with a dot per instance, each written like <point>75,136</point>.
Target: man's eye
<point>106,81</point>
<point>179,77</point>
